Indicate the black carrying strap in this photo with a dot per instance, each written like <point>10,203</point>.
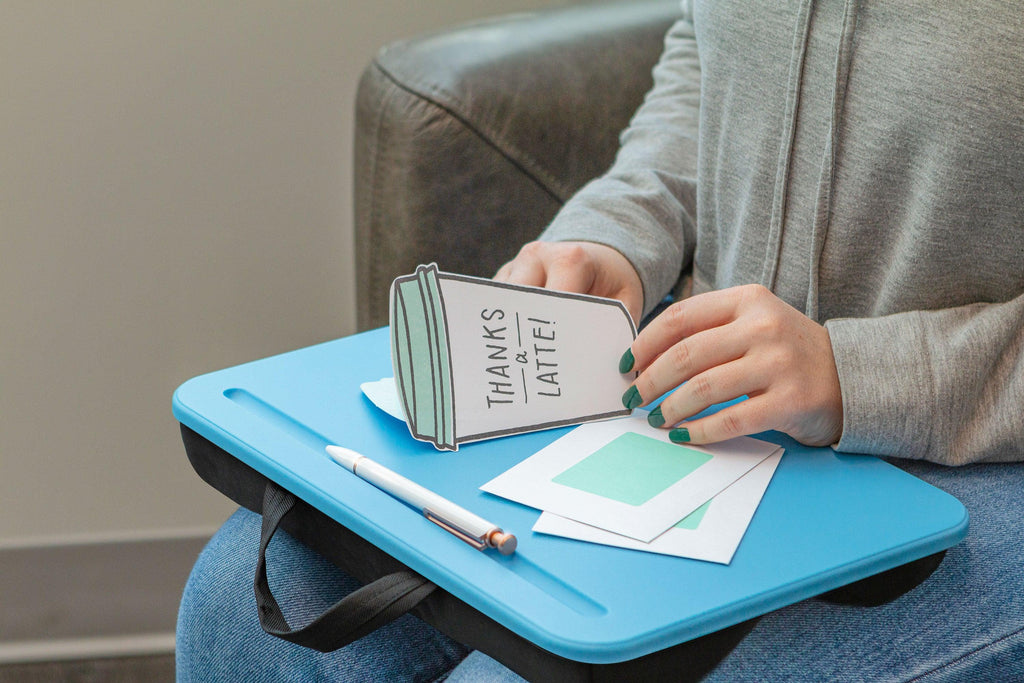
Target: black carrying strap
<point>347,620</point>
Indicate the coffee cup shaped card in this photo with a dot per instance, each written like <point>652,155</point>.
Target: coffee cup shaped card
<point>477,359</point>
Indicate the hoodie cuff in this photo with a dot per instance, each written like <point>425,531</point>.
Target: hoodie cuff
<point>886,387</point>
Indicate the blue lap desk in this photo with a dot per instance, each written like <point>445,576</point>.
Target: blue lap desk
<point>826,519</point>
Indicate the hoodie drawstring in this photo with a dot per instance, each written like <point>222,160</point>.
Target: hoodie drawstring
<point>826,180</point>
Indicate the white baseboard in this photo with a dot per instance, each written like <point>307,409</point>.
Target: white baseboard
<point>65,649</point>
<point>102,598</point>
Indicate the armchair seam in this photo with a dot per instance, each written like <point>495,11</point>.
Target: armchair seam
<point>375,198</point>
<point>449,103</point>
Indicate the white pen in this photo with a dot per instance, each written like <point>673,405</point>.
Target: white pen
<point>462,523</point>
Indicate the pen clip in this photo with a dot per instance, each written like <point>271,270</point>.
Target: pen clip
<point>455,531</point>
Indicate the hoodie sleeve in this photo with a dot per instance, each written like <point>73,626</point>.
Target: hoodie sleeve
<point>944,385</point>
<point>645,205</point>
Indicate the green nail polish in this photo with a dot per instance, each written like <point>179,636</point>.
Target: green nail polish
<point>655,418</point>
<point>631,399</point>
<point>626,362</point>
<point>679,435</point>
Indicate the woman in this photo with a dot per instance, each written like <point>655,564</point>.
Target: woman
<point>832,192</point>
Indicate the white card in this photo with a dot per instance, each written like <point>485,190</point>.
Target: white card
<point>384,395</point>
<point>716,536</point>
<point>626,477</point>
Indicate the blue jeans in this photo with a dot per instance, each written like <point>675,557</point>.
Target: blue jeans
<point>965,623</point>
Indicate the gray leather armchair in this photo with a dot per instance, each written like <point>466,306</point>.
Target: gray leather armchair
<point>468,141</point>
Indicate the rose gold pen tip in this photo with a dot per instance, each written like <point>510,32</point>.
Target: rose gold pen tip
<point>505,543</point>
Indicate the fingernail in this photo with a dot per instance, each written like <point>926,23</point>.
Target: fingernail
<point>631,399</point>
<point>627,361</point>
<point>655,418</point>
<point>679,435</point>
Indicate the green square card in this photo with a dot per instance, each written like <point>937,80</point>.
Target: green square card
<point>632,468</point>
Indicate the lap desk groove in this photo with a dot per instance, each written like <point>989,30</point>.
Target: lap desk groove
<point>826,520</point>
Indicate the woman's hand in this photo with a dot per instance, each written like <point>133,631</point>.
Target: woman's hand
<point>580,267</point>
<point>725,344</point>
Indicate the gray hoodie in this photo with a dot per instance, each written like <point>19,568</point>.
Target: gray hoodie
<point>865,162</point>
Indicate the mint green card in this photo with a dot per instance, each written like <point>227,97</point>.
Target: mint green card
<point>632,469</point>
<point>692,520</point>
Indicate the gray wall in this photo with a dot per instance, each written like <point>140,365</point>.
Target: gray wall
<point>175,181</point>
<point>174,198</point>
